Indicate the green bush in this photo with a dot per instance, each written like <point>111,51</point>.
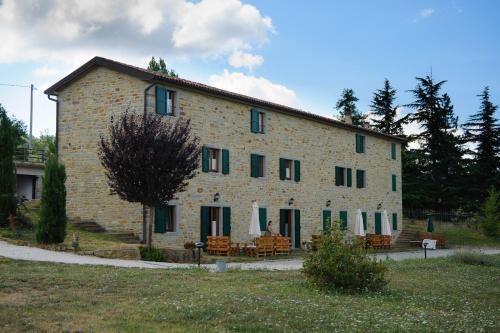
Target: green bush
<point>473,258</point>
<point>491,212</point>
<point>52,225</point>
<point>151,253</point>
<point>339,265</point>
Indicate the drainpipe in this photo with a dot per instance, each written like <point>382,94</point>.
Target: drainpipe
<point>52,98</point>
<point>144,207</point>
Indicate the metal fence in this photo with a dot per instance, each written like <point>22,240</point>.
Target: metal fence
<point>438,216</point>
<point>30,155</point>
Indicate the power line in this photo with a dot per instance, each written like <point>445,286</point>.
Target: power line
<point>16,85</point>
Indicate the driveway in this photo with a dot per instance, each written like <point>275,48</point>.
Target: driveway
<point>35,254</point>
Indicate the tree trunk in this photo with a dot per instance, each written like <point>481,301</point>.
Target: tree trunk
<point>144,223</point>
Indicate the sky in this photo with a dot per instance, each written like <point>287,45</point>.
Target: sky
<point>290,52</point>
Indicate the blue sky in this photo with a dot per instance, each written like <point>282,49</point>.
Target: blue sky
<point>290,52</point>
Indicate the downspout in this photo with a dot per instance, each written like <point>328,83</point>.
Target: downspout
<point>144,207</point>
<point>57,121</point>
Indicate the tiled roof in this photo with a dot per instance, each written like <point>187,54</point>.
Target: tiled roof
<point>153,76</point>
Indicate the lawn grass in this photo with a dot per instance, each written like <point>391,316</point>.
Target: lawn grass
<point>457,235</point>
<point>423,295</point>
<point>88,241</point>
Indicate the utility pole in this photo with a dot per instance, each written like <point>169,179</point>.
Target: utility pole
<point>30,142</point>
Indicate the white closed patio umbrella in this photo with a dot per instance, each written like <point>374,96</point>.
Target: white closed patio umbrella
<point>254,230</point>
<point>386,227</point>
<point>359,229</point>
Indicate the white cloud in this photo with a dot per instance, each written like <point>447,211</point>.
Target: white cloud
<point>258,87</point>
<point>69,30</point>
<point>240,59</point>
<point>423,14</point>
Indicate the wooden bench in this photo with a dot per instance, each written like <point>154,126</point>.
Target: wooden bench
<point>378,241</point>
<point>264,246</point>
<point>440,239</point>
<point>282,245</point>
<point>218,245</point>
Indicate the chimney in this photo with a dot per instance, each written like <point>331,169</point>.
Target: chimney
<point>348,118</point>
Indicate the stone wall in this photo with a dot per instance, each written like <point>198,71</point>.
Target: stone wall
<point>85,109</point>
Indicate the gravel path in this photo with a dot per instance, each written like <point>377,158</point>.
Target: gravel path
<point>35,254</point>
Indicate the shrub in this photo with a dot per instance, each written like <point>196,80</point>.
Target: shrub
<point>491,212</point>
<point>338,265</point>
<point>8,203</point>
<point>149,253</point>
<point>473,258</point>
<point>52,225</point>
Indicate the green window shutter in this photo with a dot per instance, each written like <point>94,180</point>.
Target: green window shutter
<point>343,220</point>
<point>365,220</point>
<point>282,169</point>
<point>204,224</point>
<point>254,165</point>
<point>204,159</point>
<point>254,121</point>
<point>297,228</point>
<point>337,176</point>
<point>362,143</point>
<point>357,144</point>
<point>226,221</point>
<point>394,221</point>
<point>282,221</point>
<point>263,219</point>
<point>296,171</point>
<point>393,151</point>
<point>161,100</point>
<point>378,223</point>
<point>161,217</point>
<point>349,177</point>
<point>327,219</point>
<point>225,161</point>
<point>360,178</point>
<point>394,188</point>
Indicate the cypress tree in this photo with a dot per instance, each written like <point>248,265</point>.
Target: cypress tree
<point>8,202</point>
<point>383,107</point>
<point>347,106</point>
<point>52,224</point>
<point>441,153</point>
<point>483,131</point>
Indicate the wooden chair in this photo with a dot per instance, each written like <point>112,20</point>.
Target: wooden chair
<point>264,246</point>
<point>282,245</point>
<point>218,245</point>
<point>386,241</point>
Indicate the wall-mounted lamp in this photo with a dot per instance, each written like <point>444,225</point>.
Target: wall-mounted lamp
<point>379,206</point>
<point>328,203</point>
<point>216,197</point>
<point>290,202</point>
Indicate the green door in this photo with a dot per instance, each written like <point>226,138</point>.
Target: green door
<point>327,219</point>
<point>204,224</point>
<point>343,220</point>
<point>296,233</point>
<point>378,223</point>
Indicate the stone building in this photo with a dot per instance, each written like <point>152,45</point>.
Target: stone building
<point>302,168</point>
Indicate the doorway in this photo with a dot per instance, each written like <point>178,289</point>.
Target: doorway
<point>290,225</point>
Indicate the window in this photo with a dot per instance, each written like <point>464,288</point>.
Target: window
<point>360,178</point>
<point>165,101</point>
<point>215,160</point>
<point>289,169</point>
<point>393,151</point>
<point>360,143</point>
<point>257,121</point>
<point>394,187</point>
<point>165,219</point>
<point>257,166</point>
<point>343,176</point>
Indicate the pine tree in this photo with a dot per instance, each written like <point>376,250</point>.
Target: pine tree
<point>383,107</point>
<point>52,225</point>
<point>346,105</point>
<point>8,202</point>
<point>441,154</point>
<point>482,130</point>
<point>161,66</point>
<point>491,214</point>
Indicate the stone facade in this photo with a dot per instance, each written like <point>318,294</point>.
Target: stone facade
<point>86,105</point>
